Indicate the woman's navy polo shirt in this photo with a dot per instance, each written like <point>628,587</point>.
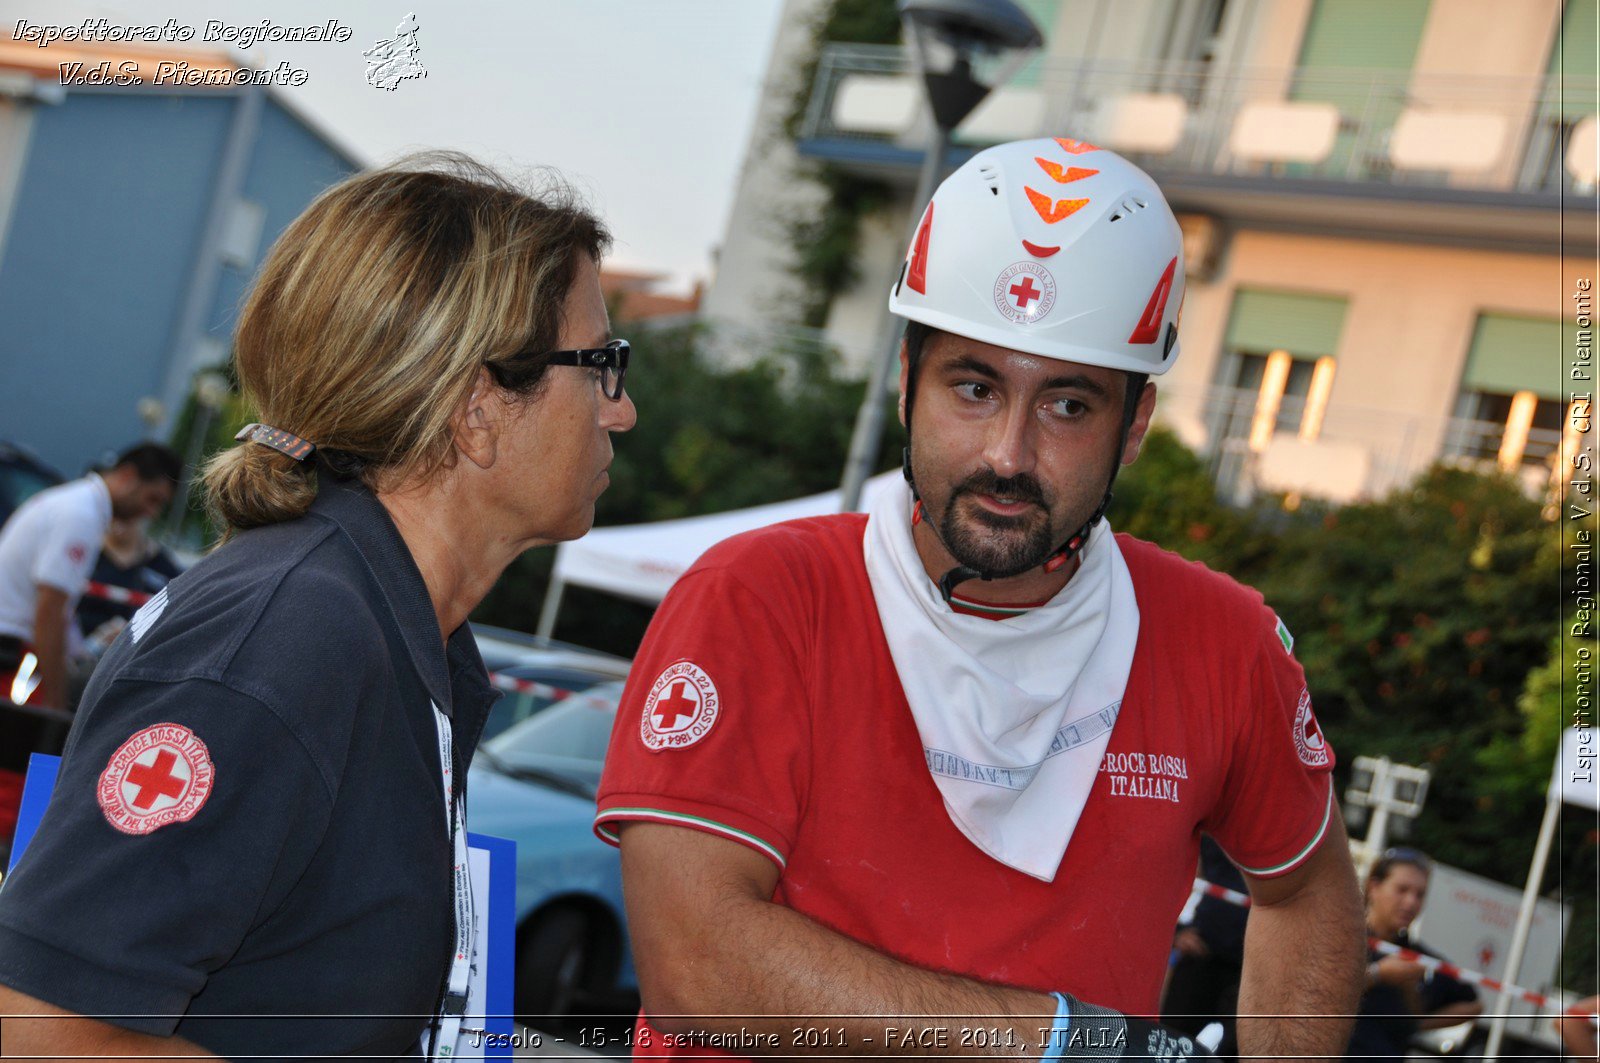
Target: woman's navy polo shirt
<point>249,824</point>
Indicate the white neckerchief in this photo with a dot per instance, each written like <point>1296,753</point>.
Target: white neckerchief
<point>1014,714</point>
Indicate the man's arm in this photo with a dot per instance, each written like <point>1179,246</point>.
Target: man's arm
<point>1304,956</point>
<point>50,619</point>
<point>42,1029</point>
<point>715,954</point>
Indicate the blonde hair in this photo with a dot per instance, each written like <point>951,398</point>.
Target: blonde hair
<point>372,314</point>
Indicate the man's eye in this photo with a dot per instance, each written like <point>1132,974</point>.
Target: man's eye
<point>1068,408</point>
<point>973,390</point>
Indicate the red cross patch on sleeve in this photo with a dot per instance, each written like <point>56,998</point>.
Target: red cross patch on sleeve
<point>681,707</point>
<point>162,775</point>
<point>1308,740</point>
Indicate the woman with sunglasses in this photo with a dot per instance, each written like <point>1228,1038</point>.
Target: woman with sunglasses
<point>256,843</point>
<point>1402,996</point>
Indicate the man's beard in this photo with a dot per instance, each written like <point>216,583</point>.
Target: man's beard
<point>994,544</point>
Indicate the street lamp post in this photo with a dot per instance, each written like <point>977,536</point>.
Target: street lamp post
<point>962,49</point>
<point>1388,789</point>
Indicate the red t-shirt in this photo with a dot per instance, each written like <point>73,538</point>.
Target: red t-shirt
<point>764,707</point>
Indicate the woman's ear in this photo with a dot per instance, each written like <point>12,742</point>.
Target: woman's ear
<point>475,426</point>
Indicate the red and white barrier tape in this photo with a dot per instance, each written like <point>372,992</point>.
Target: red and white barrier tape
<point>120,595</point>
<point>1211,889</point>
<point>1461,974</point>
<point>528,686</point>
<point>1432,963</point>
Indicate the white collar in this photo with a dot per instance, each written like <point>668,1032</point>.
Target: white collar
<point>102,495</point>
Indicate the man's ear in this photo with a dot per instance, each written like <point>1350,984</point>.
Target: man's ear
<point>905,376</point>
<point>1142,413</point>
<point>475,426</point>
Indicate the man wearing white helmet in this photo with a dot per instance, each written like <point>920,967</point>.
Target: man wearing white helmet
<point>954,758</point>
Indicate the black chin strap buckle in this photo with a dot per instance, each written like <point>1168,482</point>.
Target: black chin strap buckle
<point>959,574</point>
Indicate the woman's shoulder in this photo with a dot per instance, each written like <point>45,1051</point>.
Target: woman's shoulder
<point>275,601</point>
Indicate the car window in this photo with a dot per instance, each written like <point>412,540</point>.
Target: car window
<point>18,484</point>
<point>541,688</point>
<point>578,728</point>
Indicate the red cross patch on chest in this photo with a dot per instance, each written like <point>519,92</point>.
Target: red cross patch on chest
<point>162,775</point>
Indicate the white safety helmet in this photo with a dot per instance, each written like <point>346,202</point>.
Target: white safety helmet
<point>1053,247</point>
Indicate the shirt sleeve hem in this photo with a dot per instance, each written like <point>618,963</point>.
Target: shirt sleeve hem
<point>1273,869</point>
<point>66,980</point>
<point>653,808</point>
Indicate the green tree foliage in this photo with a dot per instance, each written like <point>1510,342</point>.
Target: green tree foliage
<point>1168,498</point>
<point>710,438</point>
<point>1424,622</point>
<point>1418,618</point>
<point>197,434</point>
<point>827,243</point>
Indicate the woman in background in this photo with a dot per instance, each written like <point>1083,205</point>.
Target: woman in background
<point>1402,996</point>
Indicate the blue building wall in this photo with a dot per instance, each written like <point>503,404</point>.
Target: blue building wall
<point>289,167</point>
<point>108,222</point>
<point>102,239</point>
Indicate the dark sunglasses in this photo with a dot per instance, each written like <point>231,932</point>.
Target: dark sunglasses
<point>611,360</point>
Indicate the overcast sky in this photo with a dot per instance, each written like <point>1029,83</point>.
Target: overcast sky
<point>647,104</point>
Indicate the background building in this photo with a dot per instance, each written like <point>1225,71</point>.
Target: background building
<point>131,220</point>
<point>1386,205</point>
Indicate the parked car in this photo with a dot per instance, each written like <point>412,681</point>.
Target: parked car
<point>22,475</point>
<point>535,784</point>
<point>537,672</point>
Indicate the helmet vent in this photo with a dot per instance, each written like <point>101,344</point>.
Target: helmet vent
<point>1131,205</point>
<point>991,177</point>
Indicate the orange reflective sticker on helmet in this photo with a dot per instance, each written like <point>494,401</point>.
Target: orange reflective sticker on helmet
<point>1075,147</point>
<point>1148,330</point>
<point>1053,210</point>
<point>1039,252</point>
<point>917,273</point>
<point>1062,174</point>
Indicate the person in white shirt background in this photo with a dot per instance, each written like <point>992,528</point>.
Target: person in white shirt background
<point>48,549</point>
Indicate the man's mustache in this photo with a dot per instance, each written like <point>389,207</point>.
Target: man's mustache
<point>1022,487</point>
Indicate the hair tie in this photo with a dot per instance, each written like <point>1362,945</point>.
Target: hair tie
<point>279,440</point>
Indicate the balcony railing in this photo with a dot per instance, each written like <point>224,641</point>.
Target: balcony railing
<point>1504,134</point>
<point>1359,453</point>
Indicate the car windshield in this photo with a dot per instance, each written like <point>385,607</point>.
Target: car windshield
<point>576,729</point>
<point>530,690</point>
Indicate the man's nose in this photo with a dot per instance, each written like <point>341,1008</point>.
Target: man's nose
<point>1009,450</point>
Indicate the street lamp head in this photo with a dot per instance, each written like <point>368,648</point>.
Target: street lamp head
<point>964,49</point>
<point>993,24</point>
<point>211,390</point>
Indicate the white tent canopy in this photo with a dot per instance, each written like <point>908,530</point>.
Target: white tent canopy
<point>643,561</point>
